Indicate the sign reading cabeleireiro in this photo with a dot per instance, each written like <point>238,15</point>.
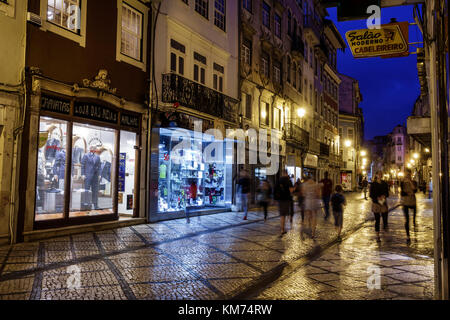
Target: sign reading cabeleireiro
<point>389,40</point>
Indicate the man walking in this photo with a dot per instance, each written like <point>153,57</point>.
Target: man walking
<point>365,183</point>
<point>327,189</point>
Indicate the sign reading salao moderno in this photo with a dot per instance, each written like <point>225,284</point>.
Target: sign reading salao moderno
<point>386,41</point>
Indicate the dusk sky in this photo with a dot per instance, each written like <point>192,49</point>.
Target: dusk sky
<point>389,86</point>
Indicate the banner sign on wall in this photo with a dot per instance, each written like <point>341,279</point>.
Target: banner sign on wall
<point>122,163</point>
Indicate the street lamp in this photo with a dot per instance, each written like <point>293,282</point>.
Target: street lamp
<point>427,150</point>
<point>363,153</point>
<point>348,143</point>
<point>416,155</point>
<point>301,112</point>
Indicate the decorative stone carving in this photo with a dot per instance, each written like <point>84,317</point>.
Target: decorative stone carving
<point>36,86</point>
<point>100,83</point>
<point>75,88</point>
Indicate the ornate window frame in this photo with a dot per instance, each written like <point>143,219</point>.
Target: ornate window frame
<point>8,8</point>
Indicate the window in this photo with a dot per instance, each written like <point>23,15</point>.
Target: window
<point>277,20</point>
<point>247,51</point>
<point>64,13</point>
<point>399,159</point>
<point>310,94</point>
<point>311,57</point>
<point>399,140</point>
<point>177,57</point>
<point>294,76</point>
<point>218,74</point>
<point>219,14</point>
<point>277,72</point>
<point>289,23</point>
<point>265,114</point>
<point>300,89</point>
<point>266,15</point>
<point>350,133</point>
<point>306,51</point>
<point>265,65</point>
<point>248,106</point>
<point>199,68</point>
<point>399,148</point>
<point>288,68</point>
<point>131,41</point>
<point>201,6</point>
<point>247,4</point>
<point>299,2</point>
<point>276,118</point>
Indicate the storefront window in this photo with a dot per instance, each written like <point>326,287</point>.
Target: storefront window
<point>92,170</point>
<point>51,169</point>
<point>187,180</point>
<point>127,158</point>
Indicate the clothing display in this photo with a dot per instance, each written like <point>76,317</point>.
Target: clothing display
<point>59,165</point>
<point>51,147</point>
<point>77,155</point>
<point>90,169</point>
<point>105,170</point>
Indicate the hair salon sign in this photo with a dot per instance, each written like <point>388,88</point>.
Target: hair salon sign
<point>390,40</point>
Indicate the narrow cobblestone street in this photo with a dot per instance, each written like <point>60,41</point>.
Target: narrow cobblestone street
<point>221,256</point>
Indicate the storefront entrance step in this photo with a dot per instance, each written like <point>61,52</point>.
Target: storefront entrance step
<point>93,227</point>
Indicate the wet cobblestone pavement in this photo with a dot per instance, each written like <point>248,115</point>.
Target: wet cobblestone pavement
<point>346,270</point>
<point>220,256</point>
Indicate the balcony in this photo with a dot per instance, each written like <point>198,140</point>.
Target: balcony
<point>312,29</point>
<point>298,47</point>
<point>193,95</point>
<point>324,149</point>
<point>322,50</point>
<point>314,146</point>
<point>296,136</point>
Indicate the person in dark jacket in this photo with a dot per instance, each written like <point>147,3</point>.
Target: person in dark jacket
<point>379,192</point>
<point>244,186</point>
<point>283,194</point>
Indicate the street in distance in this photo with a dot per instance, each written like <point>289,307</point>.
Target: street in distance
<point>229,309</point>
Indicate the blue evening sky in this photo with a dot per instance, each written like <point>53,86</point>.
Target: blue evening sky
<point>389,86</point>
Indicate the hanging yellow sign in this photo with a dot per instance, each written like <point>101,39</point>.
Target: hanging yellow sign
<point>388,40</point>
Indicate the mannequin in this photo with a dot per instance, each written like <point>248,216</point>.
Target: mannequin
<point>59,167</point>
<point>90,173</point>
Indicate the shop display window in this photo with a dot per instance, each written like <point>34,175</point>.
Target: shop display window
<point>93,164</point>
<point>126,184</point>
<point>186,180</point>
<point>51,169</point>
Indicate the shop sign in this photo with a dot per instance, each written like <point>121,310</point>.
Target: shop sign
<point>311,160</point>
<point>54,104</point>
<point>129,120</point>
<point>386,41</point>
<point>95,112</point>
<point>122,160</point>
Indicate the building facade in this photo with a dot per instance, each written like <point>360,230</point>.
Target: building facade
<point>12,87</point>
<point>84,147</point>
<point>351,131</point>
<point>196,76</point>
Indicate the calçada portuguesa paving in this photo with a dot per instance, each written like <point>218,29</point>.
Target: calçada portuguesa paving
<point>221,256</point>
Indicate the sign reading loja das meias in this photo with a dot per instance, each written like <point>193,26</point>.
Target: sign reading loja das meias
<point>389,40</point>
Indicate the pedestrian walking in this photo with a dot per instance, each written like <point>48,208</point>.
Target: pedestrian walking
<point>379,192</point>
<point>430,188</point>
<point>327,189</point>
<point>408,189</point>
<point>365,184</point>
<point>282,194</point>
<point>298,193</point>
<point>311,192</point>
<point>244,186</point>
<point>192,199</point>
<point>338,202</point>
<point>264,192</point>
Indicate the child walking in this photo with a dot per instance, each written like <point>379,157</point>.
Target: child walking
<point>338,202</point>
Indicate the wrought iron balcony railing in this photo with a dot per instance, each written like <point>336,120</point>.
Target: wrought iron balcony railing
<point>296,135</point>
<point>314,146</point>
<point>298,46</point>
<point>312,27</point>
<point>187,93</point>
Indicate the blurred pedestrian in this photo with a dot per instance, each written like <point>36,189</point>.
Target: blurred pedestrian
<point>264,192</point>
<point>408,191</point>
<point>327,189</point>
<point>192,199</point>
<point>300,198</point>
<point>338,202</point>
<point>430,188</point>
<point>365,184</point>
<point>379,192</point>
<point>311,192</point>
<point>244,186</point>
<point>282,194</point>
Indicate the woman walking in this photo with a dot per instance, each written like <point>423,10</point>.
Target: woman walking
<point>379,192</point>
<point>408,200</point>
<point>311,201</point>
<point>282,193</point>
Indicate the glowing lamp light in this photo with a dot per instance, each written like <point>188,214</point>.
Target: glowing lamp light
<point>348,143</point>
<point>263,114</point>
<point>427,150</point>
<point>400,174</point>
<point>363,153</point>
<point>301,112</point>
<point>416,155</point>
